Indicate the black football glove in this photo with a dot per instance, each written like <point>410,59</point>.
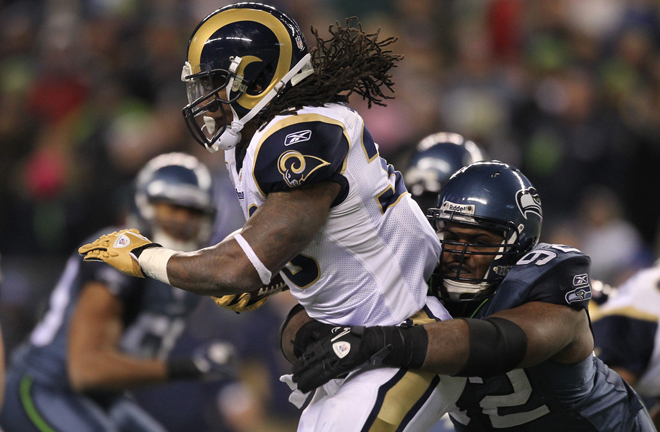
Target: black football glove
<point>331,357</point>
<point>350,348</point>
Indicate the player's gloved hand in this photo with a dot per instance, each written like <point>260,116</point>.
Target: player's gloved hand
<point>252,300</point>
<point>119,249</point>
<point>211,361</point>
<point>239,302</point>
<point>331,357</point>
<point>349,348</point>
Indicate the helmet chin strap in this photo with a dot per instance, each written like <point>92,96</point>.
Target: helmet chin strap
<point>231,136</point>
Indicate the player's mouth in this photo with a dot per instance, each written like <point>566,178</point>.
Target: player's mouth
<point>452,270</point>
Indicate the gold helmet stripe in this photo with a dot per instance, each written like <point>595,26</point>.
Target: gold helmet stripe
<point>206,30</point>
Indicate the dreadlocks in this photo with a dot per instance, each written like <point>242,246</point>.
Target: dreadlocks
<point>351,61</point>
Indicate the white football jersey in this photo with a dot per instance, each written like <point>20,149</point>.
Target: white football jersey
<point>370,262</point>
<point>626,330</point>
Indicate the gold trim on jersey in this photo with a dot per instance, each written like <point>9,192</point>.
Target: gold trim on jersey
<point>627,311</point>
<point>389,187</point>
<point>294,119</point>
<point>401,399</point>
<point>206,30</point>
<point>364,149</point>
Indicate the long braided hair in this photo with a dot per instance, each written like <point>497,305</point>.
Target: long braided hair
<point>351,61</point>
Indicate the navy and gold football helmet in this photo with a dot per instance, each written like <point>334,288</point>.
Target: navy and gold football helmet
<point>240,56</point>
<point>496,197</point>
<point>434,160</point>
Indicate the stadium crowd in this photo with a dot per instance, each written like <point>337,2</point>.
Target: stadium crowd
<point>567,90</point>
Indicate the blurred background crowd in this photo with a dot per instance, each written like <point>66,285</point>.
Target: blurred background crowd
<point>567,90</point>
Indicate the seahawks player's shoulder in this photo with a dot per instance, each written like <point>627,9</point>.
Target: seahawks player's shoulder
<point>553,273</point>
<point>310,145</point>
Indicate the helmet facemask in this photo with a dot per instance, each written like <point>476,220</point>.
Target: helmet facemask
<point>457,284</point>
<point>241,56</point>
<point>211,91</point>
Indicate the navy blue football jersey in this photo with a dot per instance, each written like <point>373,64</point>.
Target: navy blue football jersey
<point>586,396</point>
<point>154,317</point>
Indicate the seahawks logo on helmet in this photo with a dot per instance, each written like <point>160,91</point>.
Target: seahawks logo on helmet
<point>296,167</point>
<point>528,201</point>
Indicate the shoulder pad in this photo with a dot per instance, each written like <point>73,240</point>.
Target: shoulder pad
<point>553,273</point>
<point>300,149</point>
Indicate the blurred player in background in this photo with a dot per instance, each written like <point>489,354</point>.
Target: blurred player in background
<point>323,208</point>
<point>524,340</point>
<point>627,337</point>
<point>435,158</point>
<point>105,332</point>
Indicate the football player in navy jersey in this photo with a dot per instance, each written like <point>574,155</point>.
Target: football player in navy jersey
<point>435,158</point>
<point>627,338</point>
<point>105,332</point>
<point>523,339</point>
<point>323,209</point>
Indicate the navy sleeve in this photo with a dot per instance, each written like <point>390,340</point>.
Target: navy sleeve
<point>310,150</point>
<point>625,342</point>
<point>567,283</point>
<point>551,274</point>
<point>117,283</point>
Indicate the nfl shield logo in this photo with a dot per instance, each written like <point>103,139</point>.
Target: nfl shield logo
<point>122,241</point>
<point>341,348</point>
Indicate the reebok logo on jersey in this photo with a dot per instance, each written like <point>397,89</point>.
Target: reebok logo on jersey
<point>341,348</point>
<point>297,137</point>
<point>581,279</point>
<point>121,242</point>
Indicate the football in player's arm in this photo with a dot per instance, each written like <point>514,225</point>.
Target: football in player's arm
<point>627,337</point>
<point>521,335</point>
<point>105,332</point>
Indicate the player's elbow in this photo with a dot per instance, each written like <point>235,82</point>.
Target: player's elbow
<point>83,372</point>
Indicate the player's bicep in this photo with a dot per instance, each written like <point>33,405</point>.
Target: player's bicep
<point>288,221</point>
<point>553,332</point>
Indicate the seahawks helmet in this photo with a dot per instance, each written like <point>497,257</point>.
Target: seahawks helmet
<point>494,196</point>
<point>241,57</point>
<point>434,160</point>
<point>179,179</point>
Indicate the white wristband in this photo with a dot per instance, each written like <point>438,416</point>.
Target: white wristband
<point>264,274</point>
<point>153,262</point>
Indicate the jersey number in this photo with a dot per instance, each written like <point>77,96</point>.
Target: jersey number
<point>522,392</point>
<point>302,270</point>
<point>543,256</point>
<point>393,193</point>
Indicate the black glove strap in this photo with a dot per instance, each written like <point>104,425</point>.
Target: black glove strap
<point>182,368</point>
<point>138,251</point>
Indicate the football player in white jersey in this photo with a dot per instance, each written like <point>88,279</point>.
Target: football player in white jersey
<point>627,337</point>
<point>323,209</point>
